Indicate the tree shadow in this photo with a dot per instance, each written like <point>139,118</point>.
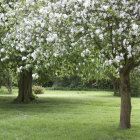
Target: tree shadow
<point>44,104</point>
<point>103,129</point>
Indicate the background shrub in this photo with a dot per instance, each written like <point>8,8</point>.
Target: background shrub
<point>75,82</point>
<point>38,89</point>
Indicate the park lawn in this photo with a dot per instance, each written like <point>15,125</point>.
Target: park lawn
<point>67,115</point>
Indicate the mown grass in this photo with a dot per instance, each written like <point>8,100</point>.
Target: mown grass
<point>67,115</point>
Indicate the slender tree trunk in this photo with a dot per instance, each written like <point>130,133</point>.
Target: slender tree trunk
<point>9,84</point>
<point>125,113</point>
<point>25,88</point>
<point>8,80</point>
<point>115,83</point>
<point>10,89</point>
<point>114,87</point>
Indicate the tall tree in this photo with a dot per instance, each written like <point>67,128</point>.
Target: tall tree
<point>109,30</point>
<point>29,41</point>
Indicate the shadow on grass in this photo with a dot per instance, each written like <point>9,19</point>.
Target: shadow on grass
<point>44,104</point>
<point>91,126</point>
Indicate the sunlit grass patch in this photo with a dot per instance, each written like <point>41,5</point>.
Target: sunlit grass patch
<point>67,115</point>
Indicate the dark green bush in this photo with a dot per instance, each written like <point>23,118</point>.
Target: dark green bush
<point>38,90</point>
<point>73,82</point>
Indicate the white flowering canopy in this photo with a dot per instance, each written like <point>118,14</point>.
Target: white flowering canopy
<point>110,28</point>
<point>31,38</point>
<point>41,29</point>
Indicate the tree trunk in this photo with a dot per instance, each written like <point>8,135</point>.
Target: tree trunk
<point>9,84</point>
<point>115,83</point>
<point>8,80</point>
<point>25,88</point>
<point>125,100</point>
<point>10,89</point>
<point>114,87</point>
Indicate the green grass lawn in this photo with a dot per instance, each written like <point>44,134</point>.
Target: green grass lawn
<point>67,115</point>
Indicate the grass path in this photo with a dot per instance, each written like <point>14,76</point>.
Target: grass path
<point>67,115</point>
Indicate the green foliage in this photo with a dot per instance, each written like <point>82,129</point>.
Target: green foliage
<point>6,77</point>
<point>103,84</point>
<point>72,82</point>
<point>3,91</point>
<point>38,89</point>
<point>75,82</point>
<point>135,82</point>
<point>45,76</point>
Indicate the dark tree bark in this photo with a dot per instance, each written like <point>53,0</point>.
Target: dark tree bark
<point>25,88</point>
<point>125,113</point>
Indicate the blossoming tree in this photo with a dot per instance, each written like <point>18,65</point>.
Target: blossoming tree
<point>109,28</point>
<point>30,42</point>
<point>106,30</point>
